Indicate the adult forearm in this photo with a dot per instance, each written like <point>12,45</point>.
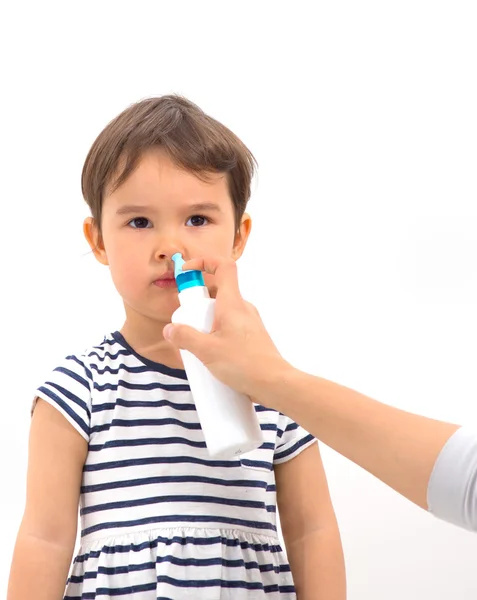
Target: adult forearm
<point>399,448</point>
<point>39,569</point>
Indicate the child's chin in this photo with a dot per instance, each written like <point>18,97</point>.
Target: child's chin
<point>167,309</point>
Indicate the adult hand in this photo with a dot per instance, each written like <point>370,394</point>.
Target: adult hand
<point>239,350</point>
<point>399,448</point>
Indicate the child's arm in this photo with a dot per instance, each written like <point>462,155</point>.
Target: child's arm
<point>47,534</point>
<point>309,528</point>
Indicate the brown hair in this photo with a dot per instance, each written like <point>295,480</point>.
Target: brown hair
<point>193,140</point>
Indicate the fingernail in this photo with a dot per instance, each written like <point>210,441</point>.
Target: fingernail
<point>167,332</point>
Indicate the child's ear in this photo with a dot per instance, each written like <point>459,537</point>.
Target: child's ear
<point>242,235</point>
<point>95,240</point>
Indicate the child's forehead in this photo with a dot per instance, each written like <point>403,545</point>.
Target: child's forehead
<point>157,176</point>
<point>156,163</point>
<point>155,166</point>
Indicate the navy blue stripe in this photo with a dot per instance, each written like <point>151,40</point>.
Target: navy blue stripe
<point>102,591</point>
<point>209,562</point>
<point>222,583</point>
<point>144,422</point>
<point>112,485</point>
<point>285,569</point>
<point>154,366</point>
<point>74,376</point>
<point>142,404</point>
<point>267,446</point>
<point>206,583</point>
<point>308,438</point>
<point>81,364</point>
<point>172,498</point>
<point>161,460</point>
<point>178,519</point>
<point>146,442</point>
<point>49,394</point>
<point>181,562</point>
<point>159,442</point>
<point>113,571</point>
<point>268,427</point>
<point>262,409</point>
<point>157,385</point>
<point>271,488</point>
<point>67,394</point>
<point>106,342</point>
<point>121,367</point>
<point>133,589</point>
<point>292,427</point>
<point>106,355</point>
<point>182,541</point>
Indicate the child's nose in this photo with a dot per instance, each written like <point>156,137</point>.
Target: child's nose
<point>166,250</point>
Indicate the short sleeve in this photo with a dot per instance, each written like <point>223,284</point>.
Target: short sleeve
<point>292,440</point>
<point>452,488</point>
<point>68,389</point>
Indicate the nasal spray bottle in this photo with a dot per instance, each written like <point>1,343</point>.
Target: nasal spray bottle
<point>228,419</point>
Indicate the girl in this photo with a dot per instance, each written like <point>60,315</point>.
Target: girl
<point>114,428</point>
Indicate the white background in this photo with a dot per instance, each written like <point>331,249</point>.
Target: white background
<point>362,116</point>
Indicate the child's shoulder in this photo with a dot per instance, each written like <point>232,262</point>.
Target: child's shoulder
<point>70,384</point>
<point>107,349</point>
<point>87,363</point>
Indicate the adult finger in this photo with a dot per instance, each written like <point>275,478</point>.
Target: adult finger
<point>225,274</point>
<point>187,338</point>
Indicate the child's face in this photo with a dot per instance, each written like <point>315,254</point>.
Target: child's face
<point>158,211</point>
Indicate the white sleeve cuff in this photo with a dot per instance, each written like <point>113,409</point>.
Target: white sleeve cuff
<point>452,490</point>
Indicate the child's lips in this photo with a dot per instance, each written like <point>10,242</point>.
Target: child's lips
<point>166,282</point>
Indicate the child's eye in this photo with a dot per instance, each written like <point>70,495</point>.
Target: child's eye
<point>198,220</point>
<point>140,223</point>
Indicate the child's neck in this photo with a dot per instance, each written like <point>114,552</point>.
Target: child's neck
<point>147,340</point>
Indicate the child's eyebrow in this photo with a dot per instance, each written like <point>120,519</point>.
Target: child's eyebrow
<point>204,206</point>
<point>137,208</point>
<point>132,209</point>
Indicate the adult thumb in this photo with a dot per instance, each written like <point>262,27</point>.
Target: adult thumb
<point>187,338</point>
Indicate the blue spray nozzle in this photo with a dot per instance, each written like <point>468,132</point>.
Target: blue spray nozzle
<point>178,263</point>
<point>186,279</point>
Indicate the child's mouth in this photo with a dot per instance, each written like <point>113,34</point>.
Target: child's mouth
<point>166,283</point>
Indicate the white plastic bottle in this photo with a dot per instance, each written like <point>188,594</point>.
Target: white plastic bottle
<point>228,419</point>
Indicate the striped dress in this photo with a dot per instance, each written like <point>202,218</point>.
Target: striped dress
<point>161,520</point>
